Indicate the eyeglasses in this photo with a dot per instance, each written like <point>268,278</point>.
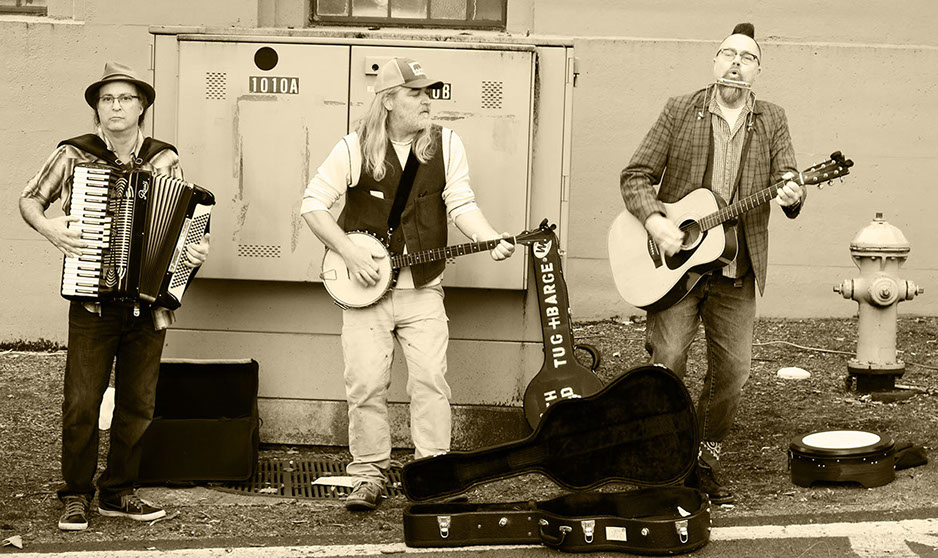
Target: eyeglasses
<point>731,54</point>
<point>121,99</point>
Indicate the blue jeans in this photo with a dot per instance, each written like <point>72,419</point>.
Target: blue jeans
<point>93,343</point>
<point>727,308</point>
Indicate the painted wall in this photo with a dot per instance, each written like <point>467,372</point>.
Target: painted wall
<point>859,77</point>
<point>47,63</point>
<point>873,102</point>
<point>859,21</point>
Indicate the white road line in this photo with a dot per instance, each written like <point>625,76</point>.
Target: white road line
<point>336,551</point>
<point>867,539</point>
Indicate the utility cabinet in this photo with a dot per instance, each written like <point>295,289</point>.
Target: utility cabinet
<point>256,119</point>
<point>253,115</point>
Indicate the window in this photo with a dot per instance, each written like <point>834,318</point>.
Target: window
<point>29,7</point>
<point>479,14</point>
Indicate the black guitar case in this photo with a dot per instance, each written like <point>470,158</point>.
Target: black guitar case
<point>640,429</point>
<point>561,376</point>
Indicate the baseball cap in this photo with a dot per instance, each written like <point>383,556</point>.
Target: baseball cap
<point>404,72</point>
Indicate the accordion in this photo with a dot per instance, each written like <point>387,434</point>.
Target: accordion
<point>136,225</point>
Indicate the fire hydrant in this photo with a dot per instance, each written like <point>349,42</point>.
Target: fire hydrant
<point>879,250</point>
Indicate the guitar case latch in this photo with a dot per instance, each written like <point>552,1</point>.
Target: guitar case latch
<point>681,528</point>
<point>443,521</point>
<point>588,525</point>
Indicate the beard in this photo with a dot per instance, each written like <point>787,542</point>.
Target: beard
<point>730,95</point>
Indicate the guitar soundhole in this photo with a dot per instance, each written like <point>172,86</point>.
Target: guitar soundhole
<point>691,234</point>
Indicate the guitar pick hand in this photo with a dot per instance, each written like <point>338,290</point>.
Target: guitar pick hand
<point>665,233</point>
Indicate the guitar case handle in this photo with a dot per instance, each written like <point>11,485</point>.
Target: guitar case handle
<point>593,352</point>
<point>550,540</point>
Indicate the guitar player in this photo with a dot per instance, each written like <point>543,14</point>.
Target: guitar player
<point>402,178</point>
<point>723,139</point>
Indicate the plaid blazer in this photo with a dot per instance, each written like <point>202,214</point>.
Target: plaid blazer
<point>679,143</point>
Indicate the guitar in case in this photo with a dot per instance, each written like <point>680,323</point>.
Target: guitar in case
<point>561,376</point>
<point>648,279</point>
<point>639,429</point>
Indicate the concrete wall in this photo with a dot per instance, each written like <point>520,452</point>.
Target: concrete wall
<point>47,63</point>
<point>858,76</point>
<point>876,22</point>
<point>874,103</point>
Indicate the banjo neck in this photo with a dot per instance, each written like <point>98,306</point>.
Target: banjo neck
<point>436,254</point>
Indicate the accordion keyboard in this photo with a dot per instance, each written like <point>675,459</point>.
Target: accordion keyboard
<point>81,276</point>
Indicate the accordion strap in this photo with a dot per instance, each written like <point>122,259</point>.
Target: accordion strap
<point>91,143</point>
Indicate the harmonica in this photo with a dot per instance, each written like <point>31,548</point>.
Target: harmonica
<point>734,83</point>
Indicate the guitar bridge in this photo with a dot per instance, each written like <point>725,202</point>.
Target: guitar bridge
<point>654,252</point>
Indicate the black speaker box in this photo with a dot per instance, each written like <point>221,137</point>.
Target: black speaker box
<point>205,424</point>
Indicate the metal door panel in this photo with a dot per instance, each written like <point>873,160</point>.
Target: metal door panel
<point>490,109</point>
<point>254,138</point>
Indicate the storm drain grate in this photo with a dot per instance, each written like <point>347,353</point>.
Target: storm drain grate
<point>293,478</point>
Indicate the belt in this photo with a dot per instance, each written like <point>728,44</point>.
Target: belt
<point>737,281</point>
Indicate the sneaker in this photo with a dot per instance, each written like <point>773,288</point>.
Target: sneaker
<point>75,517</point>
<point>365,496</point>
<point>132,506</point>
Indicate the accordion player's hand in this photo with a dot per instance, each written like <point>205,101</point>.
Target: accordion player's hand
<point>198,253</point>
<point>67,240</point>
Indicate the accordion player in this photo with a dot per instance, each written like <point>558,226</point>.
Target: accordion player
<point>136,225</point>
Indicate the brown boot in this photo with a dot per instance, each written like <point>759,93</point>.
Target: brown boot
<point>703,479</point>
<point>704,476</point>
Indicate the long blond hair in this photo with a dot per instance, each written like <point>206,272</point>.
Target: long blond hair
<point>373,136</point>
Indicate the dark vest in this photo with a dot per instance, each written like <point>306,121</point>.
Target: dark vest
<point>423,221</point>
<point>91,143</point>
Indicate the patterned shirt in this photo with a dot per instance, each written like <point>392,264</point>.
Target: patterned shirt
<point>51,184</point>
<point>727,152</point>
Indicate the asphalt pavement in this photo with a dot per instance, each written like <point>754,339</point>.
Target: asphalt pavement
<point>911,534</point>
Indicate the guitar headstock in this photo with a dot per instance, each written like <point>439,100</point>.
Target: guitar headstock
<point>543,231</point>
<point>823,173</point>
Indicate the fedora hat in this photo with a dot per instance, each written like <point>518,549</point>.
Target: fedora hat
<point>115,71</point>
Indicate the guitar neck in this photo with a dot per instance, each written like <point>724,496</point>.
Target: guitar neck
<point>436,254</point>
<point>733,211</point>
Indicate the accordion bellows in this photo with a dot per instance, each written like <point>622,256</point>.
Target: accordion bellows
<point>136,225</point>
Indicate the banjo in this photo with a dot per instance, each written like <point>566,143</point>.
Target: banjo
<point>348,292</point>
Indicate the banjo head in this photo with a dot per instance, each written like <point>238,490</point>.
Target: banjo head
<point>345,289</point>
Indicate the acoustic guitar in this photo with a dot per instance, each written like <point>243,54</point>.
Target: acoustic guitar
<point>648,279</point>
<point>348,292</point>
<point>561,376</point>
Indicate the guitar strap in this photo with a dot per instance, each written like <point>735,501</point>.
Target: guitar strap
<point>403,192</point>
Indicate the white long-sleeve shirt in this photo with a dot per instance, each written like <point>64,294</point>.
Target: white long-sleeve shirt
<point>342,170</point>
